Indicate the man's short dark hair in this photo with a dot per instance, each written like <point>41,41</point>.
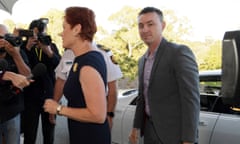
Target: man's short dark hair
<point>152,9</point>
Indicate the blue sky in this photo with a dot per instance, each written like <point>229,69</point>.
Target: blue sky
<point>209,18</point>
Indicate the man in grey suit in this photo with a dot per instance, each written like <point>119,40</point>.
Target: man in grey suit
<point>169,103</point>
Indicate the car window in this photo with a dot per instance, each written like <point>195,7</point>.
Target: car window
<point>134,101</point>
<point>129,92</point>
<point>210,87</point>
<point>210,96</point>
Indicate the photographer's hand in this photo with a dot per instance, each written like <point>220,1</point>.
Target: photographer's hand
<point>11,50</point>
<point>16,31</point>
<point>14,52</point>
<point>46,49</point>
<point>18,80</point>
<point>31,42</point>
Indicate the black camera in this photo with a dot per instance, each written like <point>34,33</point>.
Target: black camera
<point>13,40</point>
<point>41,24</point>
<point>44,39</point>
<point>25,33</point>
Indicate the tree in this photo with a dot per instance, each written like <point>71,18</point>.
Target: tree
<point>10,24</point>
<point>55,26</point>
<point>125,41</point>
<point>211,59</point>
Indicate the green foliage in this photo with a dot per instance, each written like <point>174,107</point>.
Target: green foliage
<point>55,26</point>
<point>177,28</point>
<point>129,45</point>
<point>124,41</point>
<point>10,24</point>
<point>211,59</point>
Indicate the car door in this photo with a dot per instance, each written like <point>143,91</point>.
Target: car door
<point>227,129</point>
<point>123,120</point>
<point>127,123</point>
<point>207,122</point>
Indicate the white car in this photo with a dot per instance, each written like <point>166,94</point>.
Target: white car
<point>126,92</point>
<point>219,123</point>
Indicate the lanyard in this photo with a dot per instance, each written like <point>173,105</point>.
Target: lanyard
<point>39,53</point>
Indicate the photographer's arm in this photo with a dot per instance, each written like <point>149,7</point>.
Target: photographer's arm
<point>31,41</point>
<point>15,53</point>
<point>18,80</point>
<point>21,65</point>
<point>47,50</point>
<point>52,52</point>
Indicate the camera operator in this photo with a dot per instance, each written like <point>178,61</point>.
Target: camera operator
<point>13,78</point>
<point>39,49</point>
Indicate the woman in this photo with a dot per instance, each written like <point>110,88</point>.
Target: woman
<point>85,88</point>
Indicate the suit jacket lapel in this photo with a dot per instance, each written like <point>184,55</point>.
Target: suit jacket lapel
<point>158,56</point>
<point>141,71</point>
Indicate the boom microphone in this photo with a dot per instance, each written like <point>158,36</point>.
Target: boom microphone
<point>39,70</point>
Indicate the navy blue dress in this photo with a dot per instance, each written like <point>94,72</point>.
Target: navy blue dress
<point>83,132</point>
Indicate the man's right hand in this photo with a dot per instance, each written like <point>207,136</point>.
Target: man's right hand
<point>134,136</point>
<point>52,118</point>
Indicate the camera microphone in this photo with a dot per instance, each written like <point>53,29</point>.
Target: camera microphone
<point>39,70</point>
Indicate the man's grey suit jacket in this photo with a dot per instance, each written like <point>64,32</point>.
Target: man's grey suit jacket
<point>173,94</point>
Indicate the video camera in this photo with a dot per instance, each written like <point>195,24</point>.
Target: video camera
<point>15,41</point>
